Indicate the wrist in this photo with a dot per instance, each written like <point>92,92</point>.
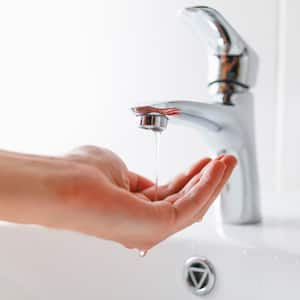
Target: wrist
<point>32,187</point>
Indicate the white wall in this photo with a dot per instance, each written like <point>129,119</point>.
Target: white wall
<point>70,70</point>
<point>288,96</point>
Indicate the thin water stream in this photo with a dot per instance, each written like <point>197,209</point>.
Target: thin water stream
<point>157,135</point>
<point>156,162</point>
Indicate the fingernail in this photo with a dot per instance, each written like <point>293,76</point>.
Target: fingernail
<point>219,157</point>
<point>230,159</point>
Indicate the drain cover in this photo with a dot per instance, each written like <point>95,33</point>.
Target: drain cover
<point>199,275</point>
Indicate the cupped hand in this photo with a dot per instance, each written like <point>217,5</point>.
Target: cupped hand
<point>107,200</point>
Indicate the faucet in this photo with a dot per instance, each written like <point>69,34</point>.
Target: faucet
<point>226,120</point>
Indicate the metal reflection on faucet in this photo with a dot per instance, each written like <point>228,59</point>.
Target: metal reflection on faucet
<point>226,121</point>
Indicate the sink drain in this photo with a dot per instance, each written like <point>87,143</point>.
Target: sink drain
<point>199,275</point>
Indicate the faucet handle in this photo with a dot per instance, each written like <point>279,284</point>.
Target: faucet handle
<point>229,64</point>
<point>220,36</point>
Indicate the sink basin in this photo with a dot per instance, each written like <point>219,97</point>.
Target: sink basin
<point>250,262</point>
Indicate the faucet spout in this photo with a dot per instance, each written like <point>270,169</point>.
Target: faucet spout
<point>156,117</point>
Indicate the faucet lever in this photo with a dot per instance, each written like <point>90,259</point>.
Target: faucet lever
<point>228,53</point>
<point>220,37</point>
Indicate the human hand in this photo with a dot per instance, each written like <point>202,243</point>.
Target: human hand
<point>105,199</point>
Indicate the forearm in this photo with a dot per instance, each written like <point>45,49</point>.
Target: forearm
<point>30,187</point>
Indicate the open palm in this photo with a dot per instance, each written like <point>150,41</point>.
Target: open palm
<point>116,204</point>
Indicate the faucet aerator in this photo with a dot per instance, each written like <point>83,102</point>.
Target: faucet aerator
<point>154,121</point>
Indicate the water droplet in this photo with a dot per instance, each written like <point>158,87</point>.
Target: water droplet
<point>143,253</point>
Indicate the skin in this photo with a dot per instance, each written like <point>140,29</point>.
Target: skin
<point>90,190</point>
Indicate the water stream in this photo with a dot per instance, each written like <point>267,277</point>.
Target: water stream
<point>157,135</point>
<point>156,162</point>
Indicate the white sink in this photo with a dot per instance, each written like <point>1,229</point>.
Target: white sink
<point>251,262</point>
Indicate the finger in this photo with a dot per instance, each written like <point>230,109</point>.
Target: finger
<point>196,198</point>
<point>197,177</point>
<point>174,197</point>
<point>138,183</point>
<point>177,183</point>
<point>230,162</point>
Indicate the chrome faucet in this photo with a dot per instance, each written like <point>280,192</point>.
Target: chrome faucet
<point>226,121</point>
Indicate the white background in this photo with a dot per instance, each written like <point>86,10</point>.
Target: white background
<point>70,71</point>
